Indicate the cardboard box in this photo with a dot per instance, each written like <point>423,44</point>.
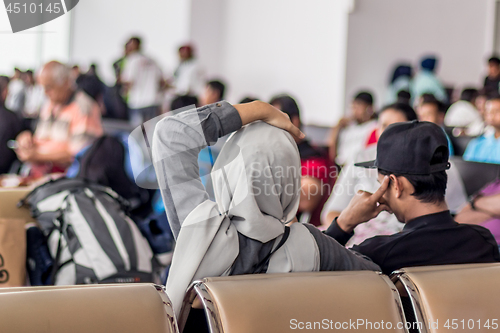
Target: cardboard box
<point>9,198</point>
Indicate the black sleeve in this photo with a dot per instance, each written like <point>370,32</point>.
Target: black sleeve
<point>337,233</point>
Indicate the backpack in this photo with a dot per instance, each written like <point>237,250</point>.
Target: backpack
<point>89,235</point>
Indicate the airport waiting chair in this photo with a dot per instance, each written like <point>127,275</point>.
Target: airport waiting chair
<point>451,297</point>
<point>355,300</point>
<point>87,308</point>
<point>460,144</point>
<point>475,175</point>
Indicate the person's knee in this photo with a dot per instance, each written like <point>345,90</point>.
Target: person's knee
<point>310,194</point>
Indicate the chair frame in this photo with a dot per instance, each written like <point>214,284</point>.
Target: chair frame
<point>414,295</point>
<point>169,310</point>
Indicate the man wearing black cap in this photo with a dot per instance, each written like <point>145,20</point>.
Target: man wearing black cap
<point>412,159</point>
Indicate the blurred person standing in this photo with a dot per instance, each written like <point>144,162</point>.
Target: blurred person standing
<point>350,135</point>
<point>35,99</point>
<point>10,127</point>
<point>188,77</point>
<point>492,81</point>
<point>142,79</point>
<point>486,148</point>
<point>15,98</point>
<point>69,121</point>
<point>426,81</point>
<point>400,81</point>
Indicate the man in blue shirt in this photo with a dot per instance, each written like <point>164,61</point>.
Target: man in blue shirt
<point>486,148</point>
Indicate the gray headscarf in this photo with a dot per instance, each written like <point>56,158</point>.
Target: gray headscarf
<point>257,189</point>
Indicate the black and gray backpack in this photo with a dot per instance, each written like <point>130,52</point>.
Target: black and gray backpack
<point>89,235</point>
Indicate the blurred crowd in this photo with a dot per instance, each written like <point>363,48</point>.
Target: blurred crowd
<point>50,117</point>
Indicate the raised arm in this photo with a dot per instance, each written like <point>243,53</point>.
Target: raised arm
<point>178,140</point>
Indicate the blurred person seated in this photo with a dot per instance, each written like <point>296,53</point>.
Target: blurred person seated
<point>75,72</point>
<point>10,127</point>
<point>350,135</point>
<point>480,102</point>
<point>412,159</point>
<point>92,86</point>
<point>353,178</point>
<point>248,99</point>
<point>214,92</point>
<point>114,103</point>
<point>486,148</point>
<point>69,121</point>
<point>403,97</point>
<point>189,78</point>
<point>484,209</point>
<point>426,81</point>
<point>93,72</point>
<point>491,82</point>
<point>180,102</point>
<point>108,162</point>
<point>35,98</point>
<point>16,97</point>
<point>400,81</point>
<point>433,110</point>
<point>316,169</point>
<point>463,115</point>
<point>142,79</point>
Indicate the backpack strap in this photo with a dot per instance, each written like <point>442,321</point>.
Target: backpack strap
<point>262,266</point>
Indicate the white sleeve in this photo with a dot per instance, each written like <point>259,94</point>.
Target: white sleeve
<point>456,196</point>
<point>342,192</point>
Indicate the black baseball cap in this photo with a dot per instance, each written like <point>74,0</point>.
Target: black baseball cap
<point>411,148</point>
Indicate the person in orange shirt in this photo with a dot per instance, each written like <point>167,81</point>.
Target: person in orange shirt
<point>69,121</point>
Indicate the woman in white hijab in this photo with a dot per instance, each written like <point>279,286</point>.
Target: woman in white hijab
<point>256,182</point>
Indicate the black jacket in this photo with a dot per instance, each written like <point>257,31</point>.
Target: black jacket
<point>434,239</point>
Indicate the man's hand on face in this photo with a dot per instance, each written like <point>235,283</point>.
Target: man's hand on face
<point>364,207</point>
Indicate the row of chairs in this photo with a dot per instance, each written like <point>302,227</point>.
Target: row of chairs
<point>422,299</point>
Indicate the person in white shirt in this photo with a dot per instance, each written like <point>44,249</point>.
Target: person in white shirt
<point>16,95</point>
<point>463,115</point>
<point>143,81</point>
<point>351,133</point>
<point>353,179</point>
<point>189,78</point>
<point>35,96</point>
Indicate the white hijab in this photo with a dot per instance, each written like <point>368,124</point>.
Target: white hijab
<point>257,189</point>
